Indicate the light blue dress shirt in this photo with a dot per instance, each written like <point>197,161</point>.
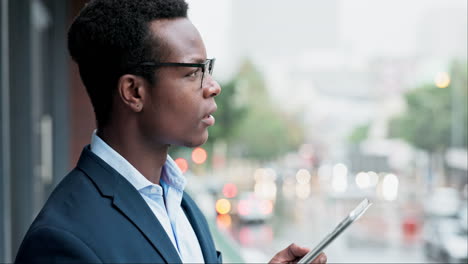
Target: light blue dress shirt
<point>164,199</point>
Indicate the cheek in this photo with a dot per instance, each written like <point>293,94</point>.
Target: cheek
<point>178,109</point>
<point>178,114</point>
<point>184,106</point>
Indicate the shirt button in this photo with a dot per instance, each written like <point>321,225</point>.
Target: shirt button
<point>153,190</point>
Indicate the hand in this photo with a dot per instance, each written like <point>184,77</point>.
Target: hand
<point>294,253</point>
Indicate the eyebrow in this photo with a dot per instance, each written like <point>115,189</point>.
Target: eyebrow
<point>196,60</point>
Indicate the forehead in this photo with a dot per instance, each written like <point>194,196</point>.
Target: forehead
<point>181,40</point>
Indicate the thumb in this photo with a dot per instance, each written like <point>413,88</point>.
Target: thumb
<point>295,251</point>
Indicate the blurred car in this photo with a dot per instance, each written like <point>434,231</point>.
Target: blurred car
<point>443,202</point>
<point>446,237</point>
<point>463,215</point>
<point>251,209</point>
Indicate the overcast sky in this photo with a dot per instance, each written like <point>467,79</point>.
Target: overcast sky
<point>364,27</point>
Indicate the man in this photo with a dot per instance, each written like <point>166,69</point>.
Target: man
<point>145,68</point>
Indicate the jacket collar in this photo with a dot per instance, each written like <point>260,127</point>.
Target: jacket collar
<point>130,203</point>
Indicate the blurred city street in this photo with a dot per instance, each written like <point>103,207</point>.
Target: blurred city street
<point>323,104</point>
<point>355,245</point>
<point>378,237</point>
<point>403,225</point>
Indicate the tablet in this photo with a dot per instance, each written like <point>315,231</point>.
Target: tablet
<point>353,216</point>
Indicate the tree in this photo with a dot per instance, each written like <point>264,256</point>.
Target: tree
<point>435,119</point>
<point>433,113</point>
<point>229,113</point>
<point>426,122</point>
<point>265,132</point>
<point>459,92</point>
<point>359,134</point>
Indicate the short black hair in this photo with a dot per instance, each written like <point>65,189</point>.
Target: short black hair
<point>109,38</point>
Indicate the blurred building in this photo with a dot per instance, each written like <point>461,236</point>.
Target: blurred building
<point>323,59</point>
<point>46,117</point>
<point>282,31</point>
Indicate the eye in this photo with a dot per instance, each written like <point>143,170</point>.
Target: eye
<point>195,73</point>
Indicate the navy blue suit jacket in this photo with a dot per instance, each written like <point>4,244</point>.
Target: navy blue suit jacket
<point>96,215</point>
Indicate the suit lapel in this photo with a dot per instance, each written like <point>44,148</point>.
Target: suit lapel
<point>129,202</point>
<point>135,208</point>
<point>199,225</point>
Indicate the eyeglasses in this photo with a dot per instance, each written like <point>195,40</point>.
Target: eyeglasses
<point>208,64</point>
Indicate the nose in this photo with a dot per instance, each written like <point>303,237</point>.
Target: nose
<point>212,88</point>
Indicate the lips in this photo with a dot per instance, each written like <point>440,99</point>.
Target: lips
<point>208,119</point>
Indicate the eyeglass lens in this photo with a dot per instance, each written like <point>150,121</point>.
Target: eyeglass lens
<point>208,65</point>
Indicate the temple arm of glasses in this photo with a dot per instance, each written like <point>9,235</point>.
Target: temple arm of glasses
<point>173,64</point>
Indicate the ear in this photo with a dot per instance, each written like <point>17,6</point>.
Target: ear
<point>131,91</point>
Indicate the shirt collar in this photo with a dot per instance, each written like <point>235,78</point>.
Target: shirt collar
<point>171,174</point>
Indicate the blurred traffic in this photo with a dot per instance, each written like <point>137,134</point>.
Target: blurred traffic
<point>324,103</point>
<point>266,208</point>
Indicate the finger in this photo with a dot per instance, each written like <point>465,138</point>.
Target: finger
<point>320,259</point>
<point>294,251</point>
<point>290,254</point>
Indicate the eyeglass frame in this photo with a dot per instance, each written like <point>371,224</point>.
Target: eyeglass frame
<point>208,63</point>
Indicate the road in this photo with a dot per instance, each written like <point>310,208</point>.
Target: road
<point>376,238</point>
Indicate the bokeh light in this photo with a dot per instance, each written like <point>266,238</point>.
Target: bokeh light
<point>223,206</point>
<point>442,80</point>
<point>224,221</point>
<point>199,155</point>
<point>303,176</point>
<point>265,190</point>
<point>266,207</point>
<point>243,207</point>
<point>340,178</point>
<point>363,180</point>
<point>230,190</point>
<point>390,187</point>
<point>373,178</point>
<point>182,164</point>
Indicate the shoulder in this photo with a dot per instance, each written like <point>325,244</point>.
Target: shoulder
<point>48,244</point>
<point>66,227</point>
<point>74,191</point>
<point>74,205</point>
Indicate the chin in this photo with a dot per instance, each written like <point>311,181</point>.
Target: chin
<point>196,142</point>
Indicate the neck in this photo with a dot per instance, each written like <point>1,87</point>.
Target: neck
<point>146,158</point>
